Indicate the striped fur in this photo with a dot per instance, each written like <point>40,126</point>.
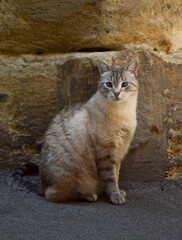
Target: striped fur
<point>85,143</point>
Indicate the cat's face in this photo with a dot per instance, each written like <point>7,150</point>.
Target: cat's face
<point>118,84</point>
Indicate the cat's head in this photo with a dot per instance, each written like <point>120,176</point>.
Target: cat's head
<point>118,84</point>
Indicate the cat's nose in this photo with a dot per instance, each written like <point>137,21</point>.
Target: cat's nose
<point>116,94</point>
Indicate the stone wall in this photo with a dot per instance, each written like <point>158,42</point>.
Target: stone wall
<point>37,79</point>
<point>67,25</point>
<point>34,88</point>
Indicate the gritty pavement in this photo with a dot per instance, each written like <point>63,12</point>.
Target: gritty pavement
<point>152,212</point>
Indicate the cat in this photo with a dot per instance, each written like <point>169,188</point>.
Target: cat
<point>86,143</point>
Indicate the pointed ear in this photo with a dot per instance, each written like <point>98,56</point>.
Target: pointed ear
<point>132,67</point>
<point>103,67</point>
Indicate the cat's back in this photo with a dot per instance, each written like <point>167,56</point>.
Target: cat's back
<point>67,133</point>
<point>67,118</point>
<point>67,148</point>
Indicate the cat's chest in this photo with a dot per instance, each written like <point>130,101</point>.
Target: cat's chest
<point>120,124</point>
<point>115,134</point>
<point>121,133</point>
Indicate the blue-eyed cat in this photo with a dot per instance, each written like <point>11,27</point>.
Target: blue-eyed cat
<point>86,143</point>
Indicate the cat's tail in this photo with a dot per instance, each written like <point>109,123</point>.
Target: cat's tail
<point>18,181</point>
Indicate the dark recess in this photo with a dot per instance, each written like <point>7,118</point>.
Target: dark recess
<point>39,53</point>
<point>94,49</point>
<point>3,97</point>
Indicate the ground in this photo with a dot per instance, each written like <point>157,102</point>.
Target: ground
<point>152,212</point>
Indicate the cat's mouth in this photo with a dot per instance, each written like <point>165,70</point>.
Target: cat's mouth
<point>116,99</point>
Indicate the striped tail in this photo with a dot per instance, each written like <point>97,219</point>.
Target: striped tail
<point>17,179</point>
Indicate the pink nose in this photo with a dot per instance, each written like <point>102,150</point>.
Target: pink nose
<point>116,94</point>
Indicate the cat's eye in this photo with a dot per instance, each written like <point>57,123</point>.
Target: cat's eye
<point>109,84</point>
<point>124,84</point>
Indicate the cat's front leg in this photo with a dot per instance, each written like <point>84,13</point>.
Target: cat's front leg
<point>108,172</point>
<point>116,195</point>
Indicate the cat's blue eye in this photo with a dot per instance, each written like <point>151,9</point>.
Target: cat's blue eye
<point>109,84</point>
<point>124,84</point>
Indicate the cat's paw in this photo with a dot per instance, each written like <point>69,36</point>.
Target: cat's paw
<point>119,198</point>
<point>123,193</point>
<point>91,198</point>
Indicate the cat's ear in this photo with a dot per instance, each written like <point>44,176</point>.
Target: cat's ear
<point>132,67</point>
<point>103,67</point>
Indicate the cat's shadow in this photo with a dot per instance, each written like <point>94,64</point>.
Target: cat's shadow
<point>102,198</point>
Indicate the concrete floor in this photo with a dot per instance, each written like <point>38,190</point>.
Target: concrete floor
<point>152,212</point>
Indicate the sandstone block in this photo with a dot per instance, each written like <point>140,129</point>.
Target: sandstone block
<point>89,25</point>
<point>34,88</point>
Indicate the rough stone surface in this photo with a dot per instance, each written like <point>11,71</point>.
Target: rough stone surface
<point>175,126</point>
<point>88,25</point>
<point>34,88</point>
